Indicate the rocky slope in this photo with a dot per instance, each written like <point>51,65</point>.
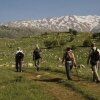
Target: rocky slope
<point>63,23</point>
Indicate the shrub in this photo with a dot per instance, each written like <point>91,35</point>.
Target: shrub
<point>74,32</point>
<point>71,39</point>
<point>94,35</point>
<point>87,42</point>
<point>47,44</point>
<point>62,42</point>
<point>54,43</point>
<point>50,44</point>
<point>73,47</point>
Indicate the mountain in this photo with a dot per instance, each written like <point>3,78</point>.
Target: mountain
<point>64,23</point>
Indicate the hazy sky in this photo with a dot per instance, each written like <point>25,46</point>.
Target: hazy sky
<point>11,10</point>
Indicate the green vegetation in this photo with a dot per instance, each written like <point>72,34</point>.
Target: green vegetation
<point>34,85</point>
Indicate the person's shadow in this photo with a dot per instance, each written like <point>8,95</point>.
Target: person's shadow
<point>50,80</point>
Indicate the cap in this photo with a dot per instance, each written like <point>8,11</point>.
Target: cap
<point>68,48</point>
<point>93,45</point>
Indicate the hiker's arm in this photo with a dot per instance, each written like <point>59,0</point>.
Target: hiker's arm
<point>74,60</point>
<point>33,56</point>
<point>89,56</point>
<point>88,60</point>
<point>23,55</point>
<point>63,59</point>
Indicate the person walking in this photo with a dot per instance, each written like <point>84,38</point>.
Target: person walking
<point>93,59</point>
<point>37,57</point>
<point>69,60</point>
<point>18,59</point>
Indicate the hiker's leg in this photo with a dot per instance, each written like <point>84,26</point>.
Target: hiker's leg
<point>67,67</point>
<point>93,74</point>
<point>97,65</point>
<point>38,64</point>
<point>17,66</point>
<point>20,66</point>
<point>94,77</point>
<point>71,67</point>
<point>35,63</point>
<point>96,73</point>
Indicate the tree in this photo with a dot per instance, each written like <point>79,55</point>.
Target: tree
<point>72,31</point>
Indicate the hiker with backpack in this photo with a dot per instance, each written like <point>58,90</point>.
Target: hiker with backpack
<point>18,59</point>
<point>93,59</point>
<point>69,60</point>
<point>37,57</point>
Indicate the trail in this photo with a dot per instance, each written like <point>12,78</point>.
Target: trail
<point>62,93</point>
<point>50,81</point>
<point>59,91</point>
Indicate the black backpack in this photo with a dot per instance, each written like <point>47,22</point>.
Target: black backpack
<point>95,55</point>
<point>19,56</point>
<point>36,53</point>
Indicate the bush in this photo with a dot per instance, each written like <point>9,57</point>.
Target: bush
<point>75,32</point>
<point>73,47</point>
<point>47,43</point>
<point>62,42</point>
<point>71,39</point>
<point>87,42</point>
<point>54,43</point>
<point>94,35</point>
<point>50,44</point>
<point>72,31</point>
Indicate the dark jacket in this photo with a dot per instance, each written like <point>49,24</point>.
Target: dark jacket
<point>19,56</point>
<point>36,54</point>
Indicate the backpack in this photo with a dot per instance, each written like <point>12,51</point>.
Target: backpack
<point>19,56</point>
<point>69,56</point>
<point>95,56</point>
<point>36,53</point>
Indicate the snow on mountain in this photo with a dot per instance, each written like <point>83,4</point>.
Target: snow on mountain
<point>63,23</point>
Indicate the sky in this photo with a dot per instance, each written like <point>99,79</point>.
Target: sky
<point>12,10</point>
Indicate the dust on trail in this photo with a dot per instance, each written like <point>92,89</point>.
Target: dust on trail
<point>59,91</point>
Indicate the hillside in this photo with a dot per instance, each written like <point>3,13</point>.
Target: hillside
<point>50,82</point>
<point>15,32</point>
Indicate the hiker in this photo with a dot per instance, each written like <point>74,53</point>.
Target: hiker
<point>18,59</point>
<point>37,57</point>
<point>69,60</point>
<point>93,59</point>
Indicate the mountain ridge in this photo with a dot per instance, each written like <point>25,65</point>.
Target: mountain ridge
<point>64,23</point>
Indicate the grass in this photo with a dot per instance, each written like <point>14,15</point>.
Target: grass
<point>15,86</point>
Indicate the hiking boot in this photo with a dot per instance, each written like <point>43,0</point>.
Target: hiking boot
<point>98,81</point>
<point>37,68</point>
<point>21,71</point>
<point>69,78</point>
<point>94,80</point>
<point>16,70</point>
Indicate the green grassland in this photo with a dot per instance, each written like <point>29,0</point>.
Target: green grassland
<point>28,86</point>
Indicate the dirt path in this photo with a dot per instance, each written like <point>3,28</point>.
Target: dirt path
<point>62,93</point>
<point>59,91</point>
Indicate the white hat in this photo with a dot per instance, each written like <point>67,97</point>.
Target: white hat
<point>37,46</point>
